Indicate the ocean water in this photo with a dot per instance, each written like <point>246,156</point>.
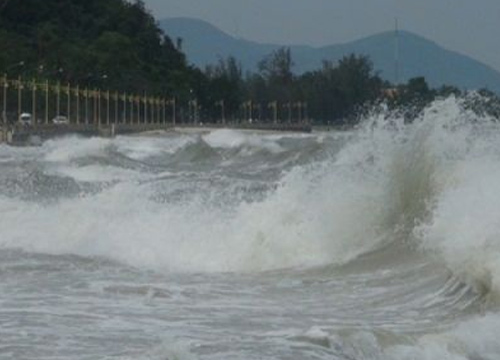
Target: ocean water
<point>382,242</point>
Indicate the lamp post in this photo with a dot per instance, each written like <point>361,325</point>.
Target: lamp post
<point>77,93</point>
<point>223,115</point>
<point>104,79</point>
<point>288,106</point>
<point>5,86</point>
<point>152,110</point>
<point>58,98</point>
<point>163,106</point>
<point>86,96</point>
<point>247,111</point>
<point>274,105</point>
<point>33,103</point>
<point>46,89</point>
<point>107,107</point>
<point>95,117</point>
<point>152,104</point>
<point>145,100</point>
<point>158,110</point>
<point>124,98</point>
<point>258,109</point>
<point>193,110</point>
<point>58,91</point>
<point>19,96</point>
<point>115,98</point>
<point>250,111</point>
<point>172,102</point>
<point>299,106</point>
<point>137,100</point>
<point>306,116</point>
<point>98,108</point>
<point>68,104</point>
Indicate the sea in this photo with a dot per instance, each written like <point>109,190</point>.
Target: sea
<point>378,242</point>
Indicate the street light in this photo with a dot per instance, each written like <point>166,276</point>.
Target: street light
<point>172,103</point>
<point>58,91</point>
<point>4,109</point>
<point>274,106</point>
<point>5,87</point>
<point>288,106</point>
<point>193,109</point>
<point>221,104</point>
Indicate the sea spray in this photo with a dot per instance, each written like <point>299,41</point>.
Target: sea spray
<point>390,182</point>
<point>359,244</point>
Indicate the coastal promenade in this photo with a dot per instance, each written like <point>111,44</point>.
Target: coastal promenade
<point>33,135</point>
<point>33,111</point>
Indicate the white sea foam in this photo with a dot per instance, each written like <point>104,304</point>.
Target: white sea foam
<point>231,139</point>
<point>430,186</point>
<point>297,225</point>
<point>140,148</point>
<point>473,339</point>
<point>99,173</point>
<point>72,147</point>
<point>434,180</point>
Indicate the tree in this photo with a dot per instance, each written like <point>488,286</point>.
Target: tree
<point>89,38</point>
<point>276,70</point>
<point>277,66</point>
<point>226,84</point>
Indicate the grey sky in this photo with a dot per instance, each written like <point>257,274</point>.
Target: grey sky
<point>471,27</point>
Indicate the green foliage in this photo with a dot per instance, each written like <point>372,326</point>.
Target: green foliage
<point>336,90</point>
<point>117,44</point>
<point>331,94</point>
<point>98,43</point>
<point>226,85</point>
<point>276,70</point>
<point>277,66</point>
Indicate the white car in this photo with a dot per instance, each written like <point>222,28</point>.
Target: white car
<point>25,119</point>
<point>60,120</point>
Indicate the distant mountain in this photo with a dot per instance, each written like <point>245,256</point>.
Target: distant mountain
<point>204,44</point>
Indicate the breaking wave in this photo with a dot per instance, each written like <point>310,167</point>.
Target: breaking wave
<point>246,202</point>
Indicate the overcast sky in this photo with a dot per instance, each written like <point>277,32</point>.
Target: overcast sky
<point>471,27</point>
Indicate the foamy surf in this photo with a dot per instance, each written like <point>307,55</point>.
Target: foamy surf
<point>376,243</point>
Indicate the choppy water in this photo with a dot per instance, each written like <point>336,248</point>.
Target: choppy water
<point>378,243</point>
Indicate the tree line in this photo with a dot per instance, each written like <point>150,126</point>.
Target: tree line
<point>117,45</point>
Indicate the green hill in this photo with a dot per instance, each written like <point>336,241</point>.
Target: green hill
<point>108,43</point>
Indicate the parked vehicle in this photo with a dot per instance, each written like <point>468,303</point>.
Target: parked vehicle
<point>25,119</point>
<point>60,120</point>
